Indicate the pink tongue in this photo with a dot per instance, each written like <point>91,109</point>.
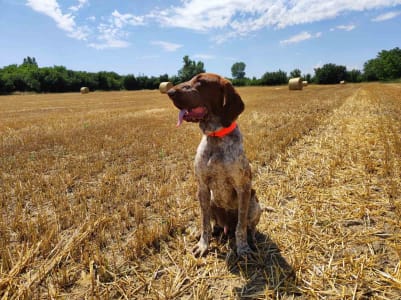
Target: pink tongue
<point>181,116</point>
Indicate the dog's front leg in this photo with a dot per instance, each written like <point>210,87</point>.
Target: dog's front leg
<point>244,197</point>
<point>204,201</point>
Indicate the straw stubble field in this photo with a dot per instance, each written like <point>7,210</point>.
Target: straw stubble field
<point>97,197</point>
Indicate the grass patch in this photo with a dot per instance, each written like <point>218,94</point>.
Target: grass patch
<point>97,196</point>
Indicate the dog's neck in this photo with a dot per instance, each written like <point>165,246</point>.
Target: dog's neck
<point>223,131</point>
<point>213,127</point>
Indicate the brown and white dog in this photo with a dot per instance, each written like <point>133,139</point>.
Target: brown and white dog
<point>223,172</point>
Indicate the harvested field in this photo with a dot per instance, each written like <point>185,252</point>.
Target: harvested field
<point>97,197</point>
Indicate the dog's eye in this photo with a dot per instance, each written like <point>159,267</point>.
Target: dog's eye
<point>186,87</point>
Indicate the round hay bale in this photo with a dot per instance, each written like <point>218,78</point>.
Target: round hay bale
<point>295,84</point>
<point>305,83</point>
<point>165,86</point>
<point>342,82</point>
<point>84,90</point>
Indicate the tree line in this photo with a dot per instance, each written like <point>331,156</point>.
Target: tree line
<point>29,77</point>
<point>385,67</point>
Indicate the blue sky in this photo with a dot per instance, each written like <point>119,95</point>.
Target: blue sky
<point>151,37</point>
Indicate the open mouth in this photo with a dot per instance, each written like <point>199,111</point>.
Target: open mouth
<point>195,114</point>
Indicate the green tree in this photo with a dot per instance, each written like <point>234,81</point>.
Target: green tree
<point>163,78</point>
<point>386,66</point>
<point>142,81</point>
<point>54,79</point>
<point>238,70</point>
<point>274,78</point>
<point>295,73</point>
<point>130,82</point>
<point>116,81</point>
<point>6,76</point>
<point>190,69</point>
<point>16,76</point>
<point>255,81</point>
<point>389,64</point>
<point>370,70</point>
<point>84,79</point>
<point>330,74</point>
<point>30,61</point>
<point>29,75</point>
<point>103,81</point>
<point>153,82</point>
<point>174,79</point>
<point>354,76</point>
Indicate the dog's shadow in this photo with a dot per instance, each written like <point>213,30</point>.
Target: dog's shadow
<point>266,272</point>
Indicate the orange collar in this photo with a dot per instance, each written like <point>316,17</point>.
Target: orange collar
<point>224,131</point>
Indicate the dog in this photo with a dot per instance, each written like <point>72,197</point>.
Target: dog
<point>222,170</point>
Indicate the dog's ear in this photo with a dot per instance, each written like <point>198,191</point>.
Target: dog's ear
<point>232,104</point>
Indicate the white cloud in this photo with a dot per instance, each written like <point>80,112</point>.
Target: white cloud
<point>204,56</point>
<point>65,22</point>
<point>222,19</point>
<point>110,37</point>
<point>79,33</point>
<point>121,20</point>
<point>203,15</point>
<point>111,34</point>
<point>241,17</point>
<point>80,4</point>
<point>109,42</point>
<point>221,38</point>
<point>167,46</point>
<point>303,36</point>
<point>344,27</point>
<point>387,16</point>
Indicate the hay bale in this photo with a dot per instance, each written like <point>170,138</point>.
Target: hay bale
<point>342,82</point>
<point>165,86</point>
<point>305,83</point>
<point>84,90</point>
<point>295,83</point>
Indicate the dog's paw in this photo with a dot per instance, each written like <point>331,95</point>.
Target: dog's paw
<point>201,248</point>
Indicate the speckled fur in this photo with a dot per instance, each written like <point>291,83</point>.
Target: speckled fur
<point>222,170</point>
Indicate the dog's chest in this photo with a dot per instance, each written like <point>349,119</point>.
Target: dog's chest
<point>221,166</point>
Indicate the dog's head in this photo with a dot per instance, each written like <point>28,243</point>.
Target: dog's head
<point>206,96</point>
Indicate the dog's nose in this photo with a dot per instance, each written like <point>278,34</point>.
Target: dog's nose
<point>171,92</point>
